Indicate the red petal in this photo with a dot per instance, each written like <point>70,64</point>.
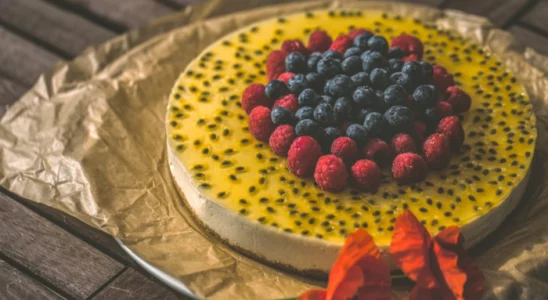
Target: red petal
<point>346,277</point>
<point>376,280</point>
<point>475,286</point>
<point>313,295</point>
<point>410,248</point>
<point>454,277</point>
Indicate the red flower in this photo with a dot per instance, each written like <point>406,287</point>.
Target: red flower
<point>440,266</point>
<point>358,272</point>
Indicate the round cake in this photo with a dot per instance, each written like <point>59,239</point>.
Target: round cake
<point>239,189</point>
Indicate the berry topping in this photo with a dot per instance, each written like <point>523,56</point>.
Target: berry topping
<point>275,64</point>
<point>307,98</point>
<point>352,51</point>
<point>294,46</point>
<point>441,78</point>
<point>418,131</point>
<point>281,139</point>
<point>285,76</point>
<point>329,135</point>
<point>361,41</point>
<point>395,95</point>
<point>339,86</point>
<point>378,44</point>
<point>297,84</point>
<point>324,114</point>
<point>360,79</point>
<point>399,118</point>
<point>379,78</point>
<point>345,148</point>
<point>332,54</point>
<point>310,128</point>
<point>295,62</point>
<point>305,113</point>
<point>436,151</point>
<point>329,67</point>
<point>276,89</point>
<point>331,174</point>
<point>374,124</point>
<point>315,81</point>
<point>281,115</point>
<point>415,72</point>
<point>365,96</point>
<point>458,99</point>
<point>254,96</point>
<point>409,168</point>
<point>402,79</point>
<point>452,129</point>
<point>425,95</point>
<point>373,60</point>
<point>288,101</point>
<point>343,109</point>
<point>403,143</point>
<point>366,175</point>
<point>354,33</point>
<point>431,117</point>
<point>319,41</point>
<point>378,151</point>
<point>303,155</point>
<point>341,43</point>
<point>409,44</point>
<point>352,65</point>
<point>260,123</point>
<point>444,108</point>
<point>357,133</point>
<point>396,52</point>
<point>313,60</point>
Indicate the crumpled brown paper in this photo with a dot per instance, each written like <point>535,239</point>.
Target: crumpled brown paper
<point>89,139</point>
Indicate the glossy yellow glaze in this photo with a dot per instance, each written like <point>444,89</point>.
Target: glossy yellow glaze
<point>208,128</point>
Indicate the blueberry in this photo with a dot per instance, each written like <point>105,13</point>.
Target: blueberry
<point>324,114</point>
<point>352,65</point>
<point>295,62</point>
<point>332,54</point>
<point>379,44</point>
<point>326,99</point>
<point>358,133</point>
<point>297,84</point>
<point>315,81</point>
<point>361,41</point>
<point>329,67</point>
<point>343,109</point>
<point>426,70</point>
<point>395,65</point>
<point>313,60</point>
<point>364,97</point>
<point>395,95</point>
<point>374,124</point>
<point>307,98</point>
<point>372,60</point>
<point>360,79</point>
<point>403,80</point>
<point>330,134</point>
<point>379,78</point>
<point>425,95</point>
<point>309,128</point>
<point>281,115</point>
<point>415,72</point>
<point>352,51</point>
<point>339,86</point>
<point>396,52</point>
<point>431,117</point>
<point>361,114</point>
<point>275,89</point>
<point>399,118</point>
<point>304,113</point>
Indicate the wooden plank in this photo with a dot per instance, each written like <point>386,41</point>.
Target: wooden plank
<point>70,265</point>
<point>125,13</point>
<point>9,93</point>
<point>498,11</point>
<point>14,284</point>
<point>21,60</point>
<point>530,39</point>
<point>536,16</point>
<point>57,28</point>
<point>133,285</point>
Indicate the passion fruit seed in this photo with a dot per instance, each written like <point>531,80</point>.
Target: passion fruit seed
<point>206,127</point>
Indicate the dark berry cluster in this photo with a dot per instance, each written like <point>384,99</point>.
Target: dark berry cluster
<point>380,97</point>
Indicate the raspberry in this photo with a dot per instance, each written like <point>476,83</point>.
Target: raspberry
<point>285,76</point>
<point>459,100</point>
<point>444,108</point>
<point>319,41</point>
<point>452,129</point>
<point>419,131</point>
<point>303,155</point>
<point>403,143</point>
<point>409,44</point>
<point>411,57</point>
<point>331,174</point>
<point>294,46</point>
<point>345,148</point>
<point>260,123</point>
<point>281,139</point>
<point>358,31</point>
<point>436,151</point>
<point>441,78</point>
<point>275,64</point>
<point>378,151</point>
<point>409,168</point>
<point>254,96</point>
<point>341,43</point>
<point>366,175</point>
<point>288,101</point>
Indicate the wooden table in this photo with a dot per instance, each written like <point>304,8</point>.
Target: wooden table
<point>45,254</point>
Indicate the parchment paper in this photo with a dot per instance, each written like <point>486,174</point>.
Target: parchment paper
<point>89,139</point>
